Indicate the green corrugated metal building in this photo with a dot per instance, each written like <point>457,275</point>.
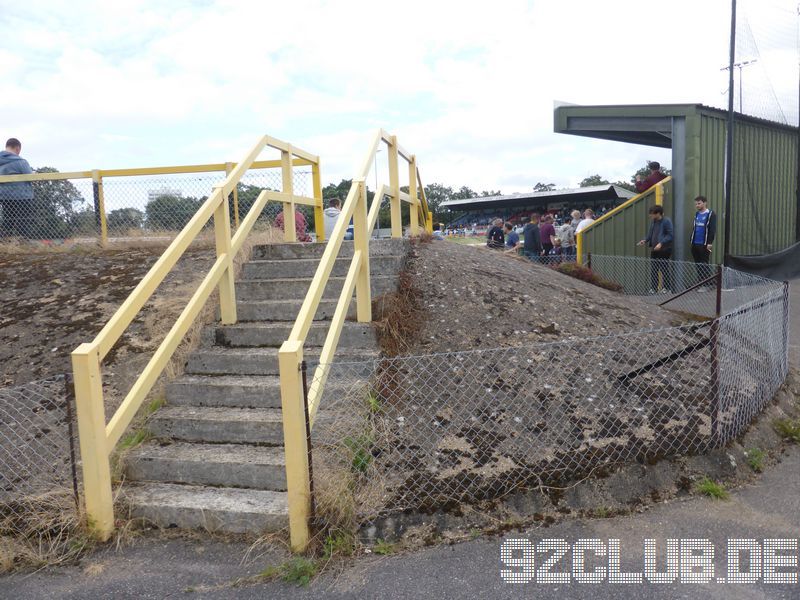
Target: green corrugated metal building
<point>764,198</point>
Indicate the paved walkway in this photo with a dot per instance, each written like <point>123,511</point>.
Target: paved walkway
<point>155,568</point>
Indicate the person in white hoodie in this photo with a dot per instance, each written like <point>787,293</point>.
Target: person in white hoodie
<point>331,214</point>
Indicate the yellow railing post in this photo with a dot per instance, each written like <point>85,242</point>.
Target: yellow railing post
<point>228,169</point>
<point>319,218</point>
<point>659,194</point>
<point>414,209</point>
<point>222,238</point>
<point>289,226</point>
<point>579,248</point>
<point>100,206</point>
<point>298,482</point>
<point>361,242</point>
<point>394,185</point>
<point>93,441</point>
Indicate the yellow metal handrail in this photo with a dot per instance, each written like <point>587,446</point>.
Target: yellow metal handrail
<point>656,189</point>
<point>98,175</point>
<point>358,280</point>
<point>97,439</point>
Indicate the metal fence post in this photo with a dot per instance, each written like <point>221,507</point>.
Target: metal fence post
<point>361,242</point>
<point>715,370</point>
<point>785,365</point>
<point>222,238</point>
<point>309,448</point>
<point>289,226</point>
<point>69,398</point>
<point>100,207</point>
<point>93,440</point>
<point>589,261</point>
<point>394,184</point>
<point>298,480</point>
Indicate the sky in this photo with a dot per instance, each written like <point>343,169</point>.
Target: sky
<point>469,87</point>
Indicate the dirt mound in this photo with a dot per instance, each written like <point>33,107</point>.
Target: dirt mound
<point>53,301</point>
<point>479,298</point>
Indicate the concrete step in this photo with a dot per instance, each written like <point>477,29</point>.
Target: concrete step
<point>286,310</point>
<point>292,289</point>
<point>229,465</point>
<point>254,335</point>
<point>230,391</point>
<point>307,267</point>
<point>229,510</point>
<point>233,392</point>
<point>256,361</point>
<point>392,247</point>
<point>218,425</point>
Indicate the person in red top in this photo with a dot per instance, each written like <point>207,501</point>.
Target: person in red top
<point>299,225</point>
<point>655,176</point>
<point>547,233</point>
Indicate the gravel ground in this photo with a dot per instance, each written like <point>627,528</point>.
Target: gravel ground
<point>481,298</point>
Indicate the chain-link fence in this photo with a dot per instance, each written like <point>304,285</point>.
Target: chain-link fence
<point>422,432</point>
<point>136,207</point>
<point>38,443</point>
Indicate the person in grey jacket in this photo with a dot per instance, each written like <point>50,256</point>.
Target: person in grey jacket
<point>16,197</point>
<point>660,237</point>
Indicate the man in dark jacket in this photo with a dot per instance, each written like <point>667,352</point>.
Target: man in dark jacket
<point>16,198</point>
<point>642,185</point>
<point>704,231</point>
<point>495,237</point>
<point>533,240</point>
<point>660,237</point>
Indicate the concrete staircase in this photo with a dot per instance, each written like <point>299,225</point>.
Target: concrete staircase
<point>216,458</point>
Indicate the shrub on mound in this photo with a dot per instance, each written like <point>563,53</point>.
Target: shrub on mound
<point>587,275</point>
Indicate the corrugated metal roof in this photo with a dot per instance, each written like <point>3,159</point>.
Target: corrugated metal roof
<point>613,192</point>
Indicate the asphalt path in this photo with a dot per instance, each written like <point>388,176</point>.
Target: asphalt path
<point>769,509</point>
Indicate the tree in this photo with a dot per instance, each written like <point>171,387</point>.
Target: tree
<point>593,180</point>
<point>52,212</point>
<point>625,185</point>
<point>544,187</point>
<point>170,212</point>
<point>121,219</point>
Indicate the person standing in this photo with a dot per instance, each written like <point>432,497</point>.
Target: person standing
<point>547,233</point>
<point>659,238</point>
<point>704,231</point>
<point>299,225</point>
<point>16,198</point>
<point>642,185</point>
<point>533,241</point>
<point>494,237</point>
<point>331,215</point>
<point>588,219</point>
<point>566,233</point>
<point>512,237</point>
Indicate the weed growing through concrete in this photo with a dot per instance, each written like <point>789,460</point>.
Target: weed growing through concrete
<point>384,548</point>
<point>712,489</point>
<point>788,429</point>
<point>297,570</point>
<point>601,512</point>
<point>360,447</point>
<point>338,543</point>
<point>133,439</point>
<point>755,459</point>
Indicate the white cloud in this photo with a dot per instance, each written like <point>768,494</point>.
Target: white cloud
<point>467,86</point>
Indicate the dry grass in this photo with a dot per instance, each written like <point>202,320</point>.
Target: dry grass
<point>398,317</point>
<point>42,530</point>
